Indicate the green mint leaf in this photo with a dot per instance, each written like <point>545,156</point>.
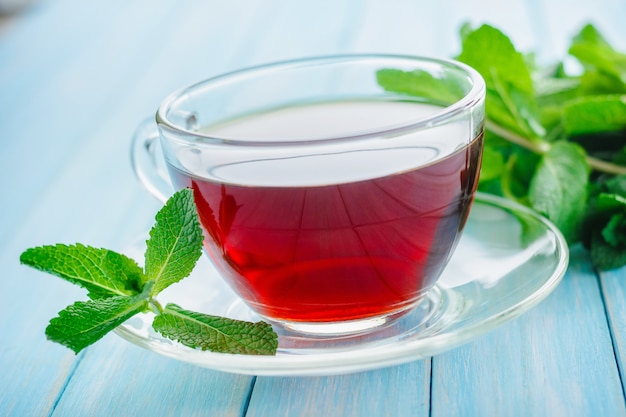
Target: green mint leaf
<point>487,48</point>
<point>592,114</point>
<point>616,185</point>
<point>175,243</point>
<point>217,334</point>
<point>465,30</point>
<point>558,189</point>
<point>493,164</point>
<point>552,90</point>
<point>518,174</point>
<point>602,205</point>
<point>614,233</point>
<point>607,146</point>
<point>556,88</point>
<point>102,272</point>
<point>419,84</point>
<point>604,255</point>
<point>85,322</point>
<point>610,202</point>
<point>619,157</point>
<point>510,94</point>
<point>597,82</point>
<point>596,54</point>
<point>605,68</point>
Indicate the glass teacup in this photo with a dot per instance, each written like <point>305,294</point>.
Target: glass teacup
<point>330,199</point>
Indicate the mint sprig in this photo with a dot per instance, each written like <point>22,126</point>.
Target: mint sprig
<point>554,141</point>
<point>119,289</point>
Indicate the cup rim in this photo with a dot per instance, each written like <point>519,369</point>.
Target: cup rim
<point>471,98</point>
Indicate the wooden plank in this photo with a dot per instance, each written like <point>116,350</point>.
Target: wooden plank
<point>62,201</point>
<point>614,292</point>
<point>556,360</point>
<point>396,391</point>
<point>34,371</point>
<point>58,110</point>
<point>116,378</point>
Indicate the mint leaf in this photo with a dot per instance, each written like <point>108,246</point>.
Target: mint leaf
<point>614,233</point>
<point>617,185</point>
<point>558,189</point>
<point>604,255</point>
<point>102,272</point>
<point>592,114</point>
<point>217,334</point>
<point>85,322</point>
<point>420,84</point>
<point>597,82</point>
<point>510,93</point>
<point>487,49</point>
<point>596,54</point>
<point>554,89</point>
<point>518,174</point>
<point>492,164</point>
<point>610,202</point>
<point>175,242</point>
<point>605,230</point>
<point>605,68</point>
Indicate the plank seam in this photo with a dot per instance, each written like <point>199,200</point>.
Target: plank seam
<point>611,333</point>
<point>246,401</point>
<point>430,389</point>
<point>79,359</point>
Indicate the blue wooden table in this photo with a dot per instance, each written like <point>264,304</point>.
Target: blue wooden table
<point>76,78</point>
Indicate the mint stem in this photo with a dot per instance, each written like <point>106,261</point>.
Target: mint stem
<point>543,147</point>
<point>155,306</point>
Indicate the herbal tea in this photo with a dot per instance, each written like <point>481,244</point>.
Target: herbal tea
<point>317,240</point>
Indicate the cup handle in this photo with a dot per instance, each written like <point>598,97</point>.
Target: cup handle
<point>148,162</point>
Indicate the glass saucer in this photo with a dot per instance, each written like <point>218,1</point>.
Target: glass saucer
<point>508,260</point>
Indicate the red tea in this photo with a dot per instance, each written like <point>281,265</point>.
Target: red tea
<point>335,252</point>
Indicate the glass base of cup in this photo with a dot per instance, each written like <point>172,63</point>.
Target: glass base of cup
<point>437,308</point>
<point>340,328</point>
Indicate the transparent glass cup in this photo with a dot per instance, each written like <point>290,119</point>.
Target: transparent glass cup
<point>332,191</point>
